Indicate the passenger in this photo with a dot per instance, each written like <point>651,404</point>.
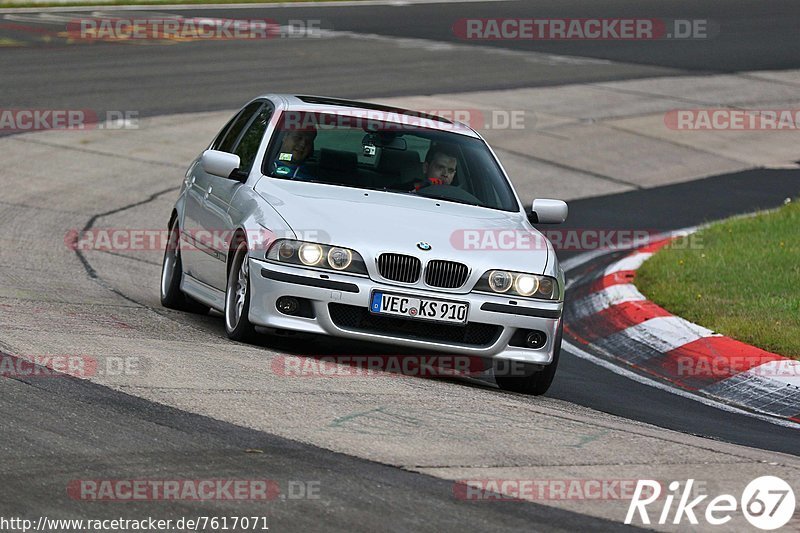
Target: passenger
<point>439,167</point>
<point>296,147</point>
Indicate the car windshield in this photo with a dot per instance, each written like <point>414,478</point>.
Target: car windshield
<point>401,156</point>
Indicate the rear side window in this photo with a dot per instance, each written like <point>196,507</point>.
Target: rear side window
<point>226,141</point>
<point>248,146</point>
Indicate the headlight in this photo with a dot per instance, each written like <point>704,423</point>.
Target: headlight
<point>518,284</point>
<point>310,254</point>
<point>316,255</point>
<point>340,258</point>
<point>500,280</point>
<point>526,285</point>
<point>286,250</point>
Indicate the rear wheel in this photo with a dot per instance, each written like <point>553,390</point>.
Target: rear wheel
<point>534,382</point>
<point>237,297</point>
<point>171,272</point>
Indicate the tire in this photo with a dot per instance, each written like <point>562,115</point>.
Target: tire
<point>171,271</point>
<point>237,298</point>
<point>534,382</point>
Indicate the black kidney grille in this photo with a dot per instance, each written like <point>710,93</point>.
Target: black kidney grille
<point>399,267</point>
<point>446,274</point>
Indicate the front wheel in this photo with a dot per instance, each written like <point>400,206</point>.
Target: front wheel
<point>237,297</point>
<point>534,382</point>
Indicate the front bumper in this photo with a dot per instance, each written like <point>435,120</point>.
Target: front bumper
<point>339,300</point>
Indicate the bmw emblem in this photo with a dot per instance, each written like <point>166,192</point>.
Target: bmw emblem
<point>424,246</point>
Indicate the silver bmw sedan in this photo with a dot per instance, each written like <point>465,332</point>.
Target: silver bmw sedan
<point>368,222</point>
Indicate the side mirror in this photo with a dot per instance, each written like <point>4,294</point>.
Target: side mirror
<point>222,164</point>
<point>545,211</point>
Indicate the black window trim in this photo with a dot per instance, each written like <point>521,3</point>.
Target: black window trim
<point>265,104</point>
<point>214,145</point>
<point>224,133</point>
<point>249,123</point>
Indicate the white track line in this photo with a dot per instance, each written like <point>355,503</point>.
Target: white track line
<point>616,369</point>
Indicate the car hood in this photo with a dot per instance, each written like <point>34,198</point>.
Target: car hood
<point>374,222</point>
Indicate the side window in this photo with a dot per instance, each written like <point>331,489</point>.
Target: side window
<point>226,142</point>
<point>248,146</point>
<point>221,135</point>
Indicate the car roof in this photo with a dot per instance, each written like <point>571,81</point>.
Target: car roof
<point>341,106</point>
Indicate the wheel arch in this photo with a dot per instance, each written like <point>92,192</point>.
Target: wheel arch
<point>239,236</point>
<point>172,217</point>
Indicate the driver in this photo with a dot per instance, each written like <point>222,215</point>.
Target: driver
<point>439,167</point>
<point>296,147</point>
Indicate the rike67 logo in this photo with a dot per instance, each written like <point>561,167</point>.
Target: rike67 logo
<point>767,502</point>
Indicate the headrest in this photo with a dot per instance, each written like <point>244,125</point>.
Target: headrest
<point>401,163</point>
<point>394,161</point>
<point>338,160</point>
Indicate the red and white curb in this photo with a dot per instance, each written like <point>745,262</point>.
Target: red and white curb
<point>611,316</point>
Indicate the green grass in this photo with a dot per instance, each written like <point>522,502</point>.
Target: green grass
<point>102,3</point>
<point>740,277</point>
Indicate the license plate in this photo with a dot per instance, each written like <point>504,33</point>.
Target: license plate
<point>418,308</point>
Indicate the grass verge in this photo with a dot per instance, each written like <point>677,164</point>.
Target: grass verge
<point>739,277</point>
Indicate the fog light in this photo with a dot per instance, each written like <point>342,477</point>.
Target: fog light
<point>535,339</point>
<point>287,305</point>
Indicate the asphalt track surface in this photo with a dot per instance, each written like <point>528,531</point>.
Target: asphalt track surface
<point>108,431</point>
<point>111,430</point>
<point>194,77</point>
